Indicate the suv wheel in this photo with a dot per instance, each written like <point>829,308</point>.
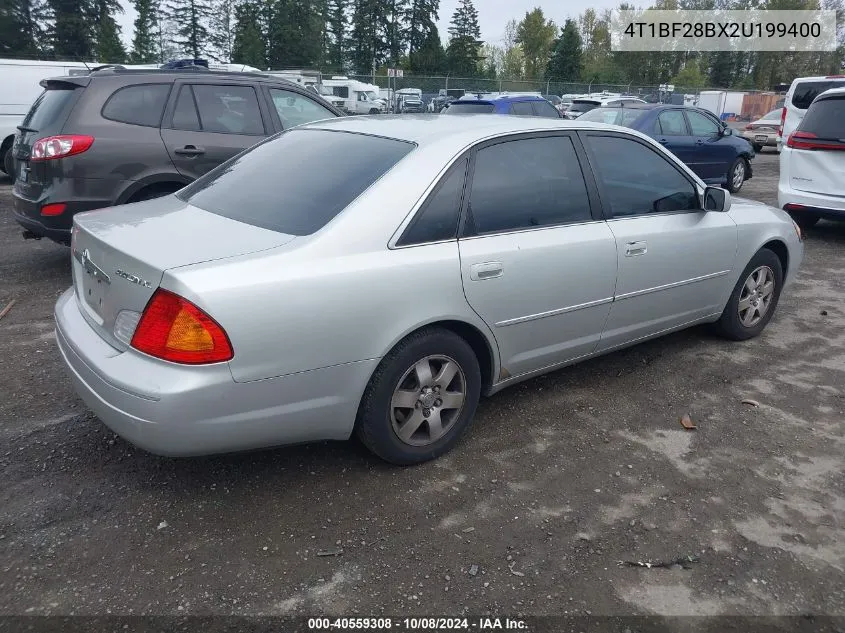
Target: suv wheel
<point>8,164</point>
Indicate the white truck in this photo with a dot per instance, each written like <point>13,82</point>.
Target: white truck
<point>358,97</point>
<point>311,80</point>
<point>721,102</point>
<point>408,100</point>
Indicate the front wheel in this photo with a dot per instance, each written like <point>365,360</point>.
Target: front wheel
<point>736,174</point>
<point>758,148</point>
<point>374,111</point>
<point>421,398</point>
<point>754,298</point>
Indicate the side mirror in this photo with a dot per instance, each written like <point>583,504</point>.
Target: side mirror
<point>717,199</point>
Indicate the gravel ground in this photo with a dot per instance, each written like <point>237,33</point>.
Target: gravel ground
<point>560,480</point>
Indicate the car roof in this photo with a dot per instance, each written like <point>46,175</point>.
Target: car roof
<point>430,129</point>
<point>832,93</point>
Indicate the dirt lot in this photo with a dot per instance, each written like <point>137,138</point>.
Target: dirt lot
<point>561,479</point>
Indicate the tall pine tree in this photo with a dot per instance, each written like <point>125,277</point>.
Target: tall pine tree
<point>421,23</point>
<point>144,41</point>
<point>368,44</point>
<point>565,63</point>
<point>248,47</point>
<point>108,45</point>
<point>190,20</point>
<point>464,40</point>
<point>222,30</point>
<point>336,25</point>
<point>71,35</point>
<point>20,31</point>
<point>295,33</point>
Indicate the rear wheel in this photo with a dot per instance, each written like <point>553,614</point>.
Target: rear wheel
<point>805,220</point>
<point>421,398</point>
<point>758,148</point>
<point>9,164</point>
<point>736,174</point>
<point>754,298</point>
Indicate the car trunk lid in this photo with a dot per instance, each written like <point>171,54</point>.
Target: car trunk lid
<point>120,255</point>
<point>817,161</point>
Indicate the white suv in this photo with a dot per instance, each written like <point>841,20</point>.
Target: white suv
<point>801,94</point>
<point>812,163</point>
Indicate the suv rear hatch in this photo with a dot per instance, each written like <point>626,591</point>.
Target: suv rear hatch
<point>46,117</point>
<point>120,255</point>
<point>817,159</point>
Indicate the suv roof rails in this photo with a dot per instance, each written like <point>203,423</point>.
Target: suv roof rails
<point>106,67</point>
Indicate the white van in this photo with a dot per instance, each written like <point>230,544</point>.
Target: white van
<point>799,97</point>
<point>358,97</point>
<point>18,89</point>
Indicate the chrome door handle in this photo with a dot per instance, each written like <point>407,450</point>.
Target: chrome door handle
<point>633,249</point>
<point>487,270</point>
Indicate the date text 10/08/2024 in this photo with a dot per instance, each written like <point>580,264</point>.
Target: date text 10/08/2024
<point>418,624</point>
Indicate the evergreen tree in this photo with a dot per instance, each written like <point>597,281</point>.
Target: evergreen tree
<point>248,47</point>
<point>190,24</point>
<point>144,46</point>
<point>70,33</point>
<point>108,46</point>
<point>336,33</point>
<point>421,21</point>
<point>395,30</point>
<point>367,42</point>
<point>222,30</point>
<point>536,36</point>
<point>295,33</point>
<point>430,58</point>
<point>464,40</point>
<point>20,32</point>
<point>565,62</point>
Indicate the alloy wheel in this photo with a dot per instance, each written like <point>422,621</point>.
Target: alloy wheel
<point>756,297</point>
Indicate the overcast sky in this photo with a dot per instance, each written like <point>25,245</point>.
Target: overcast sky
<point>492,14</point>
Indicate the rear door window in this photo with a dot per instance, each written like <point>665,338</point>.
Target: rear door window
<point>806,91</point>
<point>545,109</point>
<point>48,109</point>
<point>672,123</point>
<point>438,218</point>
<point>826,119</point>
<point>295,109</point>
<point>323,172</point>
<point>185,116</point>
<point>142,104</point>
<point>228,109</point>
<point>469,108</point>
<point>522,108</point>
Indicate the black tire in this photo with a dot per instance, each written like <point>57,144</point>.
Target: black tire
<point>374,423</point>
<point>758,148</point>
<point>374,111</point>
<point>739,163</point>
<point>730,325</point>
<point>805,220</point>
<point>9,164</point>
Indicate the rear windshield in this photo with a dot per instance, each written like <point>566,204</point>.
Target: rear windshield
<point>297,182</point>
<point>612,116</point>
<point>47,109</point>
<point>457,107</point>
<point>806,91</point>
<point>826,119</point>
<point>581,106</point>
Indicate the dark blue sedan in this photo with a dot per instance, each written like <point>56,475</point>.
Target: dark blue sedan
<point>705,144</point>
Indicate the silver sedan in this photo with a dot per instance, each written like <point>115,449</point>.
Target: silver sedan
<point>377,275</point>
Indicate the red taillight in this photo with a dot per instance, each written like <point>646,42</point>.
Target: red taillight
<point>53,209</point>
<point>791,206</point>
<point>174,329</point>
<point>808,140</point>
<point>782,121</point>
<point>60,146</point>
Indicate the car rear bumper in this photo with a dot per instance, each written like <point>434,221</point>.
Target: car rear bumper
<point>751,137</point>
<point>27,211</point>
<point>825,206</point>
<point>178,410</point>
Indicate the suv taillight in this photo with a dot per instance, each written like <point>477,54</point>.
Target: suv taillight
<point>60,146</point>
<point>174,329</point>
<point>782,121</point>
<point>808,140</point>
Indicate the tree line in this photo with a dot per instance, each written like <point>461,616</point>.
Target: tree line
<point>359,36</point>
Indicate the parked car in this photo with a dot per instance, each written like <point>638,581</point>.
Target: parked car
<point>709,147</point>
<point>800,95</point>
<point>764,131</point>
<point>201,323</point>
<point>445,97</point>
<point>117,136</point>
<point>812,163</point>
<point>556,101</point>
<point>519,105</point>
<point>585,104</point>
